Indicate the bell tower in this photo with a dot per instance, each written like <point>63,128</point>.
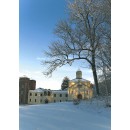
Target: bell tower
<point>78,74</point>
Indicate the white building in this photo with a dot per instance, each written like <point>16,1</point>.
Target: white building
<point>41,96</point>
<point>59,95</point>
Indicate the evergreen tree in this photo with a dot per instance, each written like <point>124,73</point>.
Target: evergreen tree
<point>65,83</point>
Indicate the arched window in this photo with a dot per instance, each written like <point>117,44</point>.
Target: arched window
<point>79,96</point>
<point>49,93</point>
<point>45,93</point>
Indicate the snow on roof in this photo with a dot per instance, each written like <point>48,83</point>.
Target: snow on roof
<point>59,91</point>
<point>42,90</point>
<point>76,80</point>
<point>39,90</point>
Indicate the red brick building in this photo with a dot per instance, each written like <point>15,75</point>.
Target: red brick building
<point>32,84</point>
<point>25,84</point>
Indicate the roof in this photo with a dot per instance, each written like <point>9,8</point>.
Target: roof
<point>78,70</point>
<point>39,90</point>
<point>76,80</point>
<point>59,91</point>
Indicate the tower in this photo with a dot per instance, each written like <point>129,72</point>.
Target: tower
<point>23,90</point>
<point>78,74</point>
<point>32,85</point>
<point>25,84</point>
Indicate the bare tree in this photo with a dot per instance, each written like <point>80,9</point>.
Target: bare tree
<point>103,61</point>
<point>104,74</point>
<point>103,54</point>
<point>79,36</point>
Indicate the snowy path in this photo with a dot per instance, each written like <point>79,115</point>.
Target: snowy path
<point>63,116</point>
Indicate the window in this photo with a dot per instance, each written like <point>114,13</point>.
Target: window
<point>35,94</point>
<point>41,94</point>
<point>54,95</point>
<point>30,100</point>
<point>60,100</point>
<point>49,93</point>
<point>60,95</point>
<point>35,100</point>
<point>30,94</point>
<point>45,93</point>
<point>41,100</point>
<point>66,95</point>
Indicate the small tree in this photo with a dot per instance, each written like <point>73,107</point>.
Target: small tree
<point>65,83</point>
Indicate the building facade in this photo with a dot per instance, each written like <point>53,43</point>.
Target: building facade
<point>42,96</point>
<point>79,88</point>
<point>59,95</point>
<point>25,84</point>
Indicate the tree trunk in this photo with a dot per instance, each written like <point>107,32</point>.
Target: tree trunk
<point>95,72</point>
<point>95,79</point>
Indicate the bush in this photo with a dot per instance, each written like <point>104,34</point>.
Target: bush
<point>76,101</point>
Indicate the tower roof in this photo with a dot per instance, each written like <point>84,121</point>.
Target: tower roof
<point>79,70</point>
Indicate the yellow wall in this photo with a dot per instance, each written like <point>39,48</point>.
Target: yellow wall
<point>41,99</point>
<point>85,90</point>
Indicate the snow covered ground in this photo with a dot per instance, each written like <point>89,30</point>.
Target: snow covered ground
<point>65,116</point>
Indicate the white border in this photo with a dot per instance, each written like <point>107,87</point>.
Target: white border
<point>9,64</point>
<point>120,65</point>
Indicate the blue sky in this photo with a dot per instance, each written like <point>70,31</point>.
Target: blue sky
<point>37,20</point>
